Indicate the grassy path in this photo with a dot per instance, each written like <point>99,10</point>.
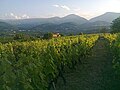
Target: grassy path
<point>95,74</point>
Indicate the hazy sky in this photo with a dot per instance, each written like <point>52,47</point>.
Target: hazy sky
<point>17,9</point>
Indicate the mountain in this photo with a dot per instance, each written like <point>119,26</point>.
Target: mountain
<point>29,23</point>
<point>6,27</point>
<point>70,27</point>
<point>91,25</point>
<point>74,19</point>
<point>62,28</point>
<point>70,23</point>
<point>48,27</point>
<point>94,27</point>
<point>108,17</point>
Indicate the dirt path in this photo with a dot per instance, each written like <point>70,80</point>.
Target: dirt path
<point>95,74</point>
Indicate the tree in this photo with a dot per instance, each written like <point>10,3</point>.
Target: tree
<point>103,30</point>
<point>21,37</point>
<point>81,33</point>
<point>48,36</point>
<point>116,25</point>
<point>62,35</point>
<point>71,34</point>
<point>18,36</point>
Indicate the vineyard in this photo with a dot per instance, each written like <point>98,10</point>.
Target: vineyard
<point>115,49</point>
<point>37,65</point>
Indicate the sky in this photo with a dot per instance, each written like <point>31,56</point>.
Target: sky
<point>23,9</point>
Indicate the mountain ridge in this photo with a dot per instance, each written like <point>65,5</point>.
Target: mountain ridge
<point>72,23</point>
<point>63,16</point>
<point>108,17</point>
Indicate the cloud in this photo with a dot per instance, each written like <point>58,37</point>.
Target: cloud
<point>15,16</point>
<point>28,17</point>
<point>11,14</point>
<point>24,16</point>
<point>78,11</point>
<point>56,6</point>
<point>62,6</point>
<point>65,7</point>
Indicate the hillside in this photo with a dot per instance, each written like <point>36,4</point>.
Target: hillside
<point>6,27</point>
<point>69,24</point>
<point>69,18</point>
<point>74,19</point>
<point>108,17</point>
<point>62,28</point>
<point>70,27</point>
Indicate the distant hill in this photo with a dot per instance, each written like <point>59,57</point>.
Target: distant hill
<point>29,23</point>
<point>74,19</point>
<point>62,28</point>
<point>96,24</point>
<point>72,27</point>
<point>107,17</point>
<point>6,27</point>
<point>69,24</point>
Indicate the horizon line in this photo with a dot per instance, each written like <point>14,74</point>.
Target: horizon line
<point>56,16</point>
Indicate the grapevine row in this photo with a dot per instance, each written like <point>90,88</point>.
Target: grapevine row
<point>115,49</point>
<point>35,65</point>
